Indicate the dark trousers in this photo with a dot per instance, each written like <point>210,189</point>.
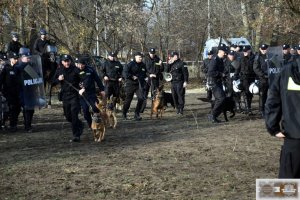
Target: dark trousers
<point>219,95</point>
<point>71,110</point>
<point>14,111</point>
<point>263,94</point>
<point>130,89</point>
<point>87,102</point>
<point>178,93</point>
<point>28,115</point>
<point>246,82</point>
<point>209,94</point>
<point>152,84</point>
<point>290,159</point>
<point>112,88</point>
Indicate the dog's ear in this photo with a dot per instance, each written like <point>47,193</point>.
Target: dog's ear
<point>161,87</point>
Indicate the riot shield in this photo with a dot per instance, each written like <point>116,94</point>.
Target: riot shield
<point>33,84</point>
<point>275,62</point>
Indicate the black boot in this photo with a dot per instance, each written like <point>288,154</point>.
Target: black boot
<point>137,117</point>
<point>124,115</point>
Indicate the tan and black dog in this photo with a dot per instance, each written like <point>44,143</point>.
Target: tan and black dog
<point>158,102</point>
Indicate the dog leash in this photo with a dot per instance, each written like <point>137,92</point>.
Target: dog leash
<point>84,98</point>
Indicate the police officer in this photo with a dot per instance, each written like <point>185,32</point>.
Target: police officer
<point>88,77</point>
<point>26,95</point>
<point>41,43</point>
<point>215,76</point>
<point>204,69</point>
<point>282,116</point>
<point>247,76</point>
<point>179,81</point>
<point>135,74</point>
<point>231,64</point>
<point>287,56</point>
<point>154,71</point>
<point>68,77</point>
<point>112,76</point>
<point>40,47</point>
<point>14,45</point>
<point>11,90</point>
<point>260,67</point>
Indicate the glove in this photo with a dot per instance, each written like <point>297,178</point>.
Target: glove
<point>184,84</point>
<point>120,79</point>
<point>81,91</point>
<point>152,75</point>
<point>105,78</point>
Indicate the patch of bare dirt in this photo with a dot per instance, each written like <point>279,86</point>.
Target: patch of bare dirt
<point>172,158</point>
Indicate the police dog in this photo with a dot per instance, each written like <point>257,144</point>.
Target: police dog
<point>98,127</point>
<point>228,105</point>
<point>121,98</point>
<point>158,102</point>
<point>108,114</point>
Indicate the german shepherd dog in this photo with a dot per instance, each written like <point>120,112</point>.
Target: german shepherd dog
<point>158,102</point>
<point>228,105</point>
<point>107,112</point>
<point>98,127</point>
<point>121,98</point>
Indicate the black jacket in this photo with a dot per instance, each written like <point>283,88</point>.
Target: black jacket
<point>88,77</point>
<point>282,105</point>
<point>288,58</point>
<point>9,83</point>
<point>152,65</point>
<point>72,77</point>
<point>14,46</point>
<point>40,45</point>
<point>112,69</point>
<point>260,66</point>
<point>179,71</point>
<point>216,70</point>
<point>205,65</point>
<point>135,69</point>
<point>246,70</point>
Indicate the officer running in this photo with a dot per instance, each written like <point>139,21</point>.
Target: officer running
<point>88,98</point>
<point>112,76</point>
<point>135,74</point>
<point>68,77</point>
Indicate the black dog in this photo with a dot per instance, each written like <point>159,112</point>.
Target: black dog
<point>228,105</point>
<point>168,98</point>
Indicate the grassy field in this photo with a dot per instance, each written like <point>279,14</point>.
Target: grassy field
<point>172,158</point>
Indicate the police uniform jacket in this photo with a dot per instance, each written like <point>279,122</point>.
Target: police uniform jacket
<point>179,71</point>
<point>287,58</point>
<point>215,70</point>
<point>88,77</point>
<point>14,46</point>
<point>40,46</point>
<point>135,69</point>
<point>246,70</point>
<point>260,66</point>
<point>152,65</point>
<point>206,62</point>
<point>71,75</point>
<point>9,82</point>
<point>112,69</point>
<point>282,105</point>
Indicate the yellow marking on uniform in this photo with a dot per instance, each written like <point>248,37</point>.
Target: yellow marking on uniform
<point>292,85</point>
